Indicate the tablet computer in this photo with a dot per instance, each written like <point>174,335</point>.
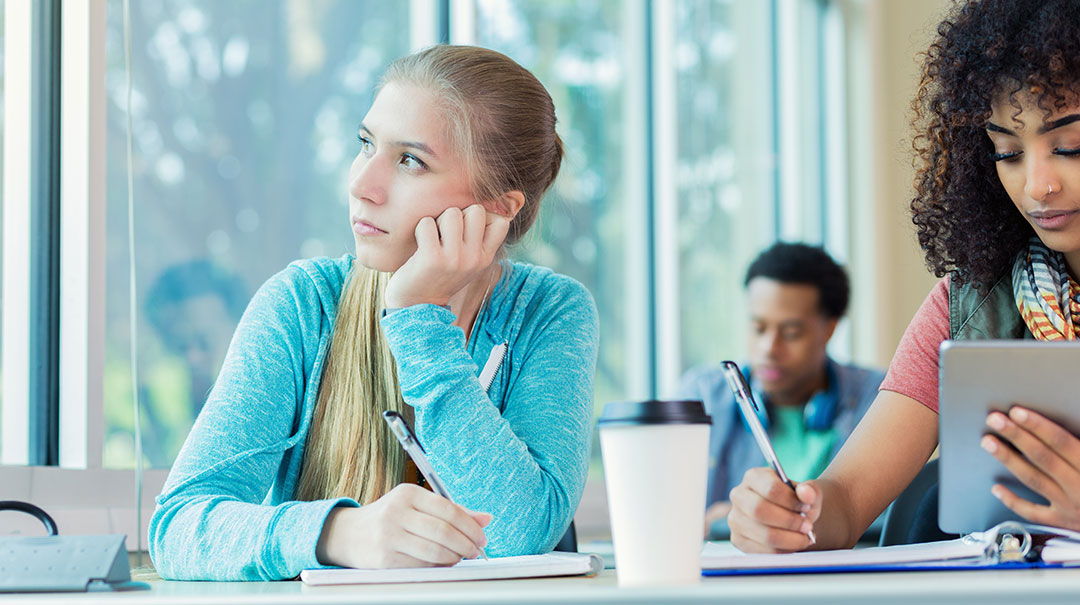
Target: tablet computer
<point>977,376</point>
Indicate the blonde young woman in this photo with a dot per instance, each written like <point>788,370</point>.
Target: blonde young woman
<point>290,466</point>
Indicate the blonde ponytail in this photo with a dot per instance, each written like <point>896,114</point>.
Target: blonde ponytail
<point>502,121</point>
<point>349,451</point>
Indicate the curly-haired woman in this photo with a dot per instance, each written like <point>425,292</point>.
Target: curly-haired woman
<point>997,209</point>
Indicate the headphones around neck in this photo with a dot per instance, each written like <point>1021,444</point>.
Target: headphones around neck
<point>820,411</point>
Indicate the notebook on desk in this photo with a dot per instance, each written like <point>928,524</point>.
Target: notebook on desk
<point>497,568</point>
<point>1005,546</point>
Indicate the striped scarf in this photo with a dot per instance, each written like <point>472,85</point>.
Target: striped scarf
<point>1047,297</point>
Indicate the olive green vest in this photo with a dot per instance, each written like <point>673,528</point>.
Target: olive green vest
<point>974,316</point>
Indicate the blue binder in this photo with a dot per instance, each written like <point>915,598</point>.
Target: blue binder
<point>1009,545</point>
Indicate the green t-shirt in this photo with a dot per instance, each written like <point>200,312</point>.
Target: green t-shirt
<point>803,453</point>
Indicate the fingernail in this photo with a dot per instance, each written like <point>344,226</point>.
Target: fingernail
<point>995,421</point>
<point>804,508</point>
<point>806,528</point>
<point>996,491</point>
<point>1018,414</point>
<point>988,444</point>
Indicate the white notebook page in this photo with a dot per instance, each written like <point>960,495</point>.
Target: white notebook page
<point>525,566</point>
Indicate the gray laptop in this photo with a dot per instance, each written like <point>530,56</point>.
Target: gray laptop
<point>977,376</point>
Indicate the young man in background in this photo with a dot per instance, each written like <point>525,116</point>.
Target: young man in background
<point>796,294</point>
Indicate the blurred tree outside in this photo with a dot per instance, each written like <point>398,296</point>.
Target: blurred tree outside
<point>574,48</point>
<point>244,123</point>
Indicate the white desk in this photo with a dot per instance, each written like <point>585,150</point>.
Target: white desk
<point>983,587</point>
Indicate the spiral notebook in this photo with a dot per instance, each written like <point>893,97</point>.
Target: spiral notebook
<point>1008,545</point>
<point>497,568</point>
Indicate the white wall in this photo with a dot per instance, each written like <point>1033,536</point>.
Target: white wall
<point>889,275</point>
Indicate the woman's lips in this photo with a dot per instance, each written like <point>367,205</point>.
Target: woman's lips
<point>1052,219</point>
<point>360,227</point>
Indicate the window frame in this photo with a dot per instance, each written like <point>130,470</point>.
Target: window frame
<point>15,440</point>
<point>105,496</point>
<point>32,234</point>
<point>664,199</point>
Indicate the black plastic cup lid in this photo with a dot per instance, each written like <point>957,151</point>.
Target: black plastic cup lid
<point>636,413</point>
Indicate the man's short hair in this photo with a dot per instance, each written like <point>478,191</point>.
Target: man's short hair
<point>793,263</point>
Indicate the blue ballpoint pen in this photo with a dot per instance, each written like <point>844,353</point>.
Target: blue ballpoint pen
<point>412,446</point>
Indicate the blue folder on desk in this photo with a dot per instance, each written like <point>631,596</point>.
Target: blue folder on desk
<point>1006,546</point>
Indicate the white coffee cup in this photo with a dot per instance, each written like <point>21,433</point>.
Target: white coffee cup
<point>655,462</point>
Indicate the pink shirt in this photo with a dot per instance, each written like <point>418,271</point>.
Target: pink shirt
<point>914,368</point>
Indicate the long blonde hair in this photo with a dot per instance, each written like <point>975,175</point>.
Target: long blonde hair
<point>502,121</point>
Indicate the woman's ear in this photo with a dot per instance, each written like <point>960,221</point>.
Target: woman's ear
<point>509,204</point>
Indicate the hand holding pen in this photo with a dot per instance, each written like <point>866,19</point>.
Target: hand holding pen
<point>411,444</point>
<point>767,495</point>
<point>767,516</point>
<point>408,527</point>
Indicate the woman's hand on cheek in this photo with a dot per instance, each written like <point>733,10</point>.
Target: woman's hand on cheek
<point>1047,462</point>
<point>450,252</point>
<point>408,527</point>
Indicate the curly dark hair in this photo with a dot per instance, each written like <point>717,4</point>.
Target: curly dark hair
<point>793,263</point>
<point>985,48</point>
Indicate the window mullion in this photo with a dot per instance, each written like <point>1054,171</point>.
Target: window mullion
<point>637,245</point>
<point>15,440</point>
<point>427,23</point>
<point>82,250</point>
<point>462,21</point>
<point>668,362</point>
<point>45,234</point>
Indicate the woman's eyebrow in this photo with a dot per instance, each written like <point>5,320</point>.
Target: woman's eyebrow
<point>1045,128</point>
<point>1058,123</point>
<point>416,145</point>
<point>408,144</point>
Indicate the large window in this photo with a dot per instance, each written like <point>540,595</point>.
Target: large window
<point>244,123</point>
<point>690,145</point>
